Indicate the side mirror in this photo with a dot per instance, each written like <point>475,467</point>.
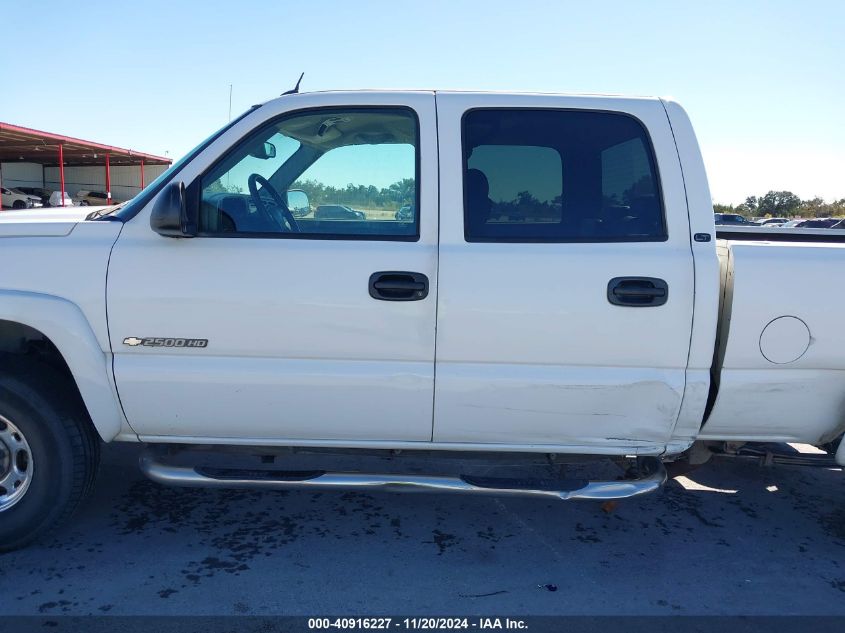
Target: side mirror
<point>169,216</point>
<point>298,203</point>
<point>264,151</point>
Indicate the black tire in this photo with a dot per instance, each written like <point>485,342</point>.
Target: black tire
<point>19,204</point>
<point>65,449</point>
<point>84,203</point>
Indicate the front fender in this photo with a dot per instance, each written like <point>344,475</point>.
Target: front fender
<point>65,325</point>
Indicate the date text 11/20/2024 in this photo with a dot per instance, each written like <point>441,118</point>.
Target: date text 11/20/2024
<point>417,623</point>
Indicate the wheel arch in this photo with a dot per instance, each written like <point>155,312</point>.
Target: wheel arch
<point>26,318</point>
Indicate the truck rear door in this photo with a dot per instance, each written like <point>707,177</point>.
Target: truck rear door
<point>565,273</point>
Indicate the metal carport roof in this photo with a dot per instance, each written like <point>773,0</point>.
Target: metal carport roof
<point>35,146</point>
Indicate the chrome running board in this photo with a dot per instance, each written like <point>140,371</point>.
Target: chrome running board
<point>652,476</point>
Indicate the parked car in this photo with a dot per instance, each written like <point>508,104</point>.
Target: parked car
<point>820,223</point>
<point>403,214</point>
<point>437,358</point>
<point>793,224</point>
<point>86,198</point>
<point>770,222</point>
<point>56,199</point>
<point>732,219</point>
<point>840,225</point>
<point>39,192</point>
<point>337,212</point>
<point>16,199</point>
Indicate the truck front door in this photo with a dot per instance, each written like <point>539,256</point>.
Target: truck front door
<point>304,310</point>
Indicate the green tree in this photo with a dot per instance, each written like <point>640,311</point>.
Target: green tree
<point>750,206</point>
<point>779,203</point>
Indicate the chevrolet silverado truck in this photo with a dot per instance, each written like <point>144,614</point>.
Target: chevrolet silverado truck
<point>556,302</point>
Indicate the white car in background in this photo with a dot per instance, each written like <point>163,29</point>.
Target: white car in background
<point>771,222</point>
<point>17,199</point>
<point>56,199</point>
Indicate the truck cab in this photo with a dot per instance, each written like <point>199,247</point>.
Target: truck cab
<point>532,214</point>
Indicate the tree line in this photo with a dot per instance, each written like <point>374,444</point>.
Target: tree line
<point>396,195</point>
<point>784,204</point>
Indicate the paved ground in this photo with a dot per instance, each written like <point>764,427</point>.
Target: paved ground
<point>747,540</point>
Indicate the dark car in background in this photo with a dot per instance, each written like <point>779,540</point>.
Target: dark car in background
<point>731,219</point>
<point>405,213</point>
<point>337,212</point>
<point>819,223</point>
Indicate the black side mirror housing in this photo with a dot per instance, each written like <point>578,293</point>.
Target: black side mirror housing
<point>264,151</point>
<point>169,216</point>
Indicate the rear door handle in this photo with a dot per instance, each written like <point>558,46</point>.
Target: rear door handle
<point>642,292</point>
<point>398,286</point>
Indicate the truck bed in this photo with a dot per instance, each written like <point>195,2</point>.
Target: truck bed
<point>763,234</point>
<point>779,372</point>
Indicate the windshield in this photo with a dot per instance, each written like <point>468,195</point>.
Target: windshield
<point>130,209</point>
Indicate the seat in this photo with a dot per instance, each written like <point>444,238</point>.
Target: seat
<point>245,220</point>
<point>478,203</point>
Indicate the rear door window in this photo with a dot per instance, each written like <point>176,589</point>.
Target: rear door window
<point>559,176</point>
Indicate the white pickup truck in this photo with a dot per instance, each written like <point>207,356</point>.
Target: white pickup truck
<point>490,278</point>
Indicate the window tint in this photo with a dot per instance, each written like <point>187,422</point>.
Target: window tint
<point>559,176</point>
<point>334,173</point>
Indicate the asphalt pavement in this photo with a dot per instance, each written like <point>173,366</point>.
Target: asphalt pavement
<point>732,538</point>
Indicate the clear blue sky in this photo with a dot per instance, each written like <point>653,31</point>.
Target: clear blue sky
<point>764,82</point>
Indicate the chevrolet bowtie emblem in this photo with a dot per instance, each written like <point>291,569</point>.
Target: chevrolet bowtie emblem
<point>131,340</point>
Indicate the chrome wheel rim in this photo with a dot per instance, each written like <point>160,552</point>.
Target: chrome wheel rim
<point>15,464</point>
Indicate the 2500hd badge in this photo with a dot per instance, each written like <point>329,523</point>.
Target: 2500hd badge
<point>151,341</point>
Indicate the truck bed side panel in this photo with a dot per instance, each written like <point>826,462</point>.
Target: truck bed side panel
<point>782,374</point>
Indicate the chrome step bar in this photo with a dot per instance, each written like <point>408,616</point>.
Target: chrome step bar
<point>652,476</point>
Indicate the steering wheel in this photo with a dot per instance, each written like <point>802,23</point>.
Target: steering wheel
<point>287,216</point>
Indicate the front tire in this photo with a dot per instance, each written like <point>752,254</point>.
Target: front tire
<point>49,450</point>
<point>19,204</point>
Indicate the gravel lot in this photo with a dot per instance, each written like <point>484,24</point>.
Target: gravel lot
<point>732,539</point>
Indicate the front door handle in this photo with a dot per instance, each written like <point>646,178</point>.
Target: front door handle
<point>398,286</point>
<point>642,292</point>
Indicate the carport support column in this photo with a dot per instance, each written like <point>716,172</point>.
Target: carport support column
<point>108,180</point>
<point>62,172</point>
<point>142,174</point>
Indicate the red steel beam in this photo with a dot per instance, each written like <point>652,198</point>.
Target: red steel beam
<point>108,180</point>
<point>62,172</point>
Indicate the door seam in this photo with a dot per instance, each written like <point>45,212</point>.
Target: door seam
<point>436,273</point>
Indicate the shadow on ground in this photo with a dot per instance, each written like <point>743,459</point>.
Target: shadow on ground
<point>747,540</point>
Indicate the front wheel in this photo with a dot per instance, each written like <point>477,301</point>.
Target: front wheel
<point>84,203</point>
<point>19,204</point>
<point>49,451</point>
